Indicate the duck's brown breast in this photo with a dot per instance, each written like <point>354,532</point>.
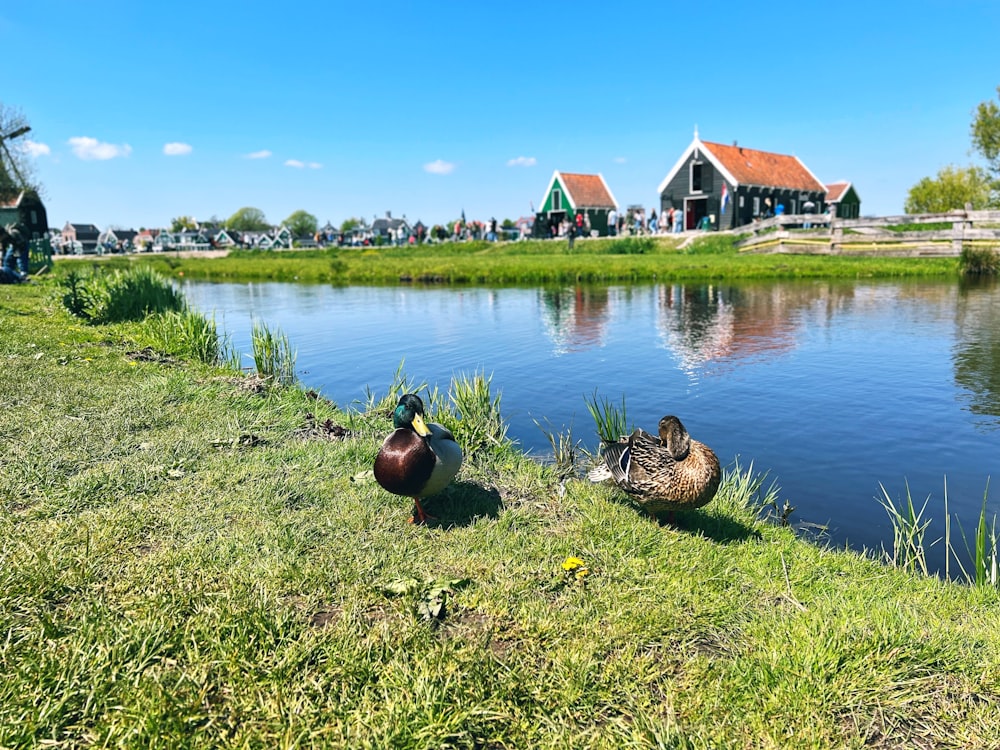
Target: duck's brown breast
<point>404,463</point>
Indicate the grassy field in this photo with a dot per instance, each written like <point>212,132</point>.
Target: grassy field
<point>191,558</point>
<point>534,262</point>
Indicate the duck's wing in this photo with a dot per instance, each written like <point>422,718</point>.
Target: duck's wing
<point>440,432</point>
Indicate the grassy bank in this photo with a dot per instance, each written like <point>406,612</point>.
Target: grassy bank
<point>534,262</point>
<point>189,557</point>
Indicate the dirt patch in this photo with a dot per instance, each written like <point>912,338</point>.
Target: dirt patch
<point>313,429</point>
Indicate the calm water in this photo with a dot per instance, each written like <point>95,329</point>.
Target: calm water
<point>831,387</point>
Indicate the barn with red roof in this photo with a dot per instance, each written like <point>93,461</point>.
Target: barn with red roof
<point>733,185</point>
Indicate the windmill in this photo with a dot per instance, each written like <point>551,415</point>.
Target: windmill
<point>8,165</point>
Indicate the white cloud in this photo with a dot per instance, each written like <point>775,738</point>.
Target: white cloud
<point>176,149</point>
<point>302,164</point>
<point>522,161</point>
<point>439,167</point>
<point>90,149</point>
<point>35,149</point>
<point>620,160</point>
<point>258,154</point>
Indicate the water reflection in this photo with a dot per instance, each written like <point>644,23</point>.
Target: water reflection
<point>977,349</point>
<point>576,318</point>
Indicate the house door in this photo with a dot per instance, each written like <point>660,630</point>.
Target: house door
<point>694,210</point>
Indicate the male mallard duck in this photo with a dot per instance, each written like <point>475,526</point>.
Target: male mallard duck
<point>417,459</point>
<point>672,472</point>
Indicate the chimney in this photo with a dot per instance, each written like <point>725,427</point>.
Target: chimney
<point>388,214</point>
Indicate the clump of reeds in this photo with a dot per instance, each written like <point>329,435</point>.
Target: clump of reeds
<point>980,261</point>
<point>909,546</point>
<point>119,296</point>
<point>480,422</point>
<point>273,356</point>
<point>610,420</point>
<point>191,335</point>
<point>565,449</point>
<point>909,528</point>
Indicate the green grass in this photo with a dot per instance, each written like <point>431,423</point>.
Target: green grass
<point>708,258</point>
<point>183,564</point>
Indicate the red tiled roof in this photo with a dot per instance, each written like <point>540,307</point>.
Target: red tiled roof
<point>751,167</point>
<point>587,190</point>
<point>835,191</point>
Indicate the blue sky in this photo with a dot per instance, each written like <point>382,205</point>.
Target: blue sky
<point>141,112</point>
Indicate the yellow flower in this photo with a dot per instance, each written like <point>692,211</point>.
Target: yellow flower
<point>572,563</point>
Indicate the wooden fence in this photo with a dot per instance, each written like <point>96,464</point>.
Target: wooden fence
<point>874,236</point>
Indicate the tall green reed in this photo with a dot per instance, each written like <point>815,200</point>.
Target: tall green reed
<point>273,356</point>
<point>909,529</point>
<point>982,549</point>
<point>611,421</point>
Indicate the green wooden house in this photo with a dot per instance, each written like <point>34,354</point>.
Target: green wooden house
<point>843,200</point>
<point>569,193</point>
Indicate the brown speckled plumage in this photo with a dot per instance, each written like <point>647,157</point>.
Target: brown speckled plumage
<point>668,473</point>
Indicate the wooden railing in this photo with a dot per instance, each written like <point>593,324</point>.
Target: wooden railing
<point>832,236</point>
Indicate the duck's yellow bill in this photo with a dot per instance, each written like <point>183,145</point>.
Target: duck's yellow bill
<point>420,426</point>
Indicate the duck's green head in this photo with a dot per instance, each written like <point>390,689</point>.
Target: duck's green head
<point>409,413</point>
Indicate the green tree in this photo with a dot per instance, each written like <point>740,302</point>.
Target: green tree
<point>986,134</point>
<point>182,223</point>
<point>348,224</point>
<point>248,219</point>
<point>953,188</point>
<point>302,223</point>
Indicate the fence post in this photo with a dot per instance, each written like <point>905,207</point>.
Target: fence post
<point>958,233</point>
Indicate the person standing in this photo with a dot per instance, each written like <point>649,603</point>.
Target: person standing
<point>652,222</point>
<point>612,223</point>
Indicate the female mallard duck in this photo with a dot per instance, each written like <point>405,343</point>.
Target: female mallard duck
<point>672,472</point>
<point>417,459</point>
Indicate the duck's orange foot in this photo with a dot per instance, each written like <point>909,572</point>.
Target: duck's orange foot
<point>420,516</point>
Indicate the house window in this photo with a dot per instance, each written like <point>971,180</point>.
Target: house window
<point>557,200</point>
<point>741,201</point>
<point>756,205</point>
<point>696,170</point>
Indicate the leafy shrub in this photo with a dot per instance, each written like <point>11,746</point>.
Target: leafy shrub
<point>980,261</point>
<point>119,296</point>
